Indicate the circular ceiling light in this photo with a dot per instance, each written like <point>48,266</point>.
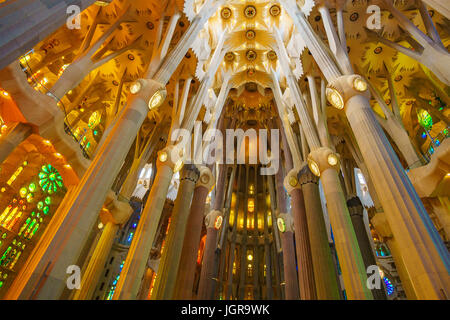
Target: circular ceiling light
<point>225,13</point>
<point>332,159</point>
<point>275,10</point>
<point>135,87</point>
<point>314,167</point>
<point>281,225</point>
<point>359,84</point>
<point>293,181</point>
<point>157,99</point>
<point>250,12</point>
<point>163,156</point>
<point>335,98</point>
<point>251,55</point>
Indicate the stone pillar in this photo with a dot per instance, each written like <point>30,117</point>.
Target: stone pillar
<point>25,24</point>
<point>62,245</point>
<point>15,135</point>
<point>213,222</point>
<point>287,241</point>
<point>324,270</point>
<point>306,282</point>
<point>324,162</point>
<point>382,227</point>
<point>90,277</point>
<point>356,210</point>
<point>133,270</point>
<point>186,272</point>
<point>168,267</point>
<point>426,258</point>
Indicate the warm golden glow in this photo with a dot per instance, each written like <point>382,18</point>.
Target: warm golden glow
<point>157,99</point>
<point>178,166</point>
<point>314,167</point>
<point>251,205</point>
<point>163,156</point>
<point>335,98</point>
<point>360,84</point>
<point>135,87</point>
<point>332,159</point>
<point>281,225</point>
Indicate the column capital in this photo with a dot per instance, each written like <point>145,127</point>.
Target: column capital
<point>341,89</point>
<point>305,176</point>
<point>354,205</point>
<point>206,178</point>
<point>190,172</point>
<point>291,181</point>
<point>150,91</point>
<point>171,156</point>
<point>115,211</point>
<point>285,222</point>
<point>214,219</point>
<point>322,159</point>
<point>381,225</point>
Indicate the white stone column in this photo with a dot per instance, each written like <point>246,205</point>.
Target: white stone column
<point>425,257</point>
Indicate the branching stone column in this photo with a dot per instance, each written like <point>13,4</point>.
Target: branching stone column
<point>426,258</point>
<point>287,239</point>
<point>15,135</point>
<point>136,262</point>
<point>324,271</point>
<point>324,163</point>
<point>307,286</point>
<point>61,246</point>
<point>186,272</point>
<point>356,210</point>
<point>213,222</point>
<point>112,220</point>
<point>170,260</point>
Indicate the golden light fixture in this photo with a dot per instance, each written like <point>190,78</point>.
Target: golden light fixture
<point>360,84</point>
<point>218,222</point>
<point>281,225</point>
<point>332,159</point>
<point>250,257</point>
<point>293,181</point>
<point>135,87</point>
<point>335,98</point>
<point>163,156</point>
<point>314,167</point>
<point>157,99</point>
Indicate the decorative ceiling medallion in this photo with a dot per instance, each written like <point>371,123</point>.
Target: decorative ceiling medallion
<point>250,34</point>
<point>354,16</point>
<point>275,10</point>
<point>225,13</point>
<point>378,50</point>
<point>150,25</point>
<point>251,72</point>
<point>251,55</point>
<point>271,55</point>
<point>229,56</point>
<point>130,57</point>
<point>250,12</point>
